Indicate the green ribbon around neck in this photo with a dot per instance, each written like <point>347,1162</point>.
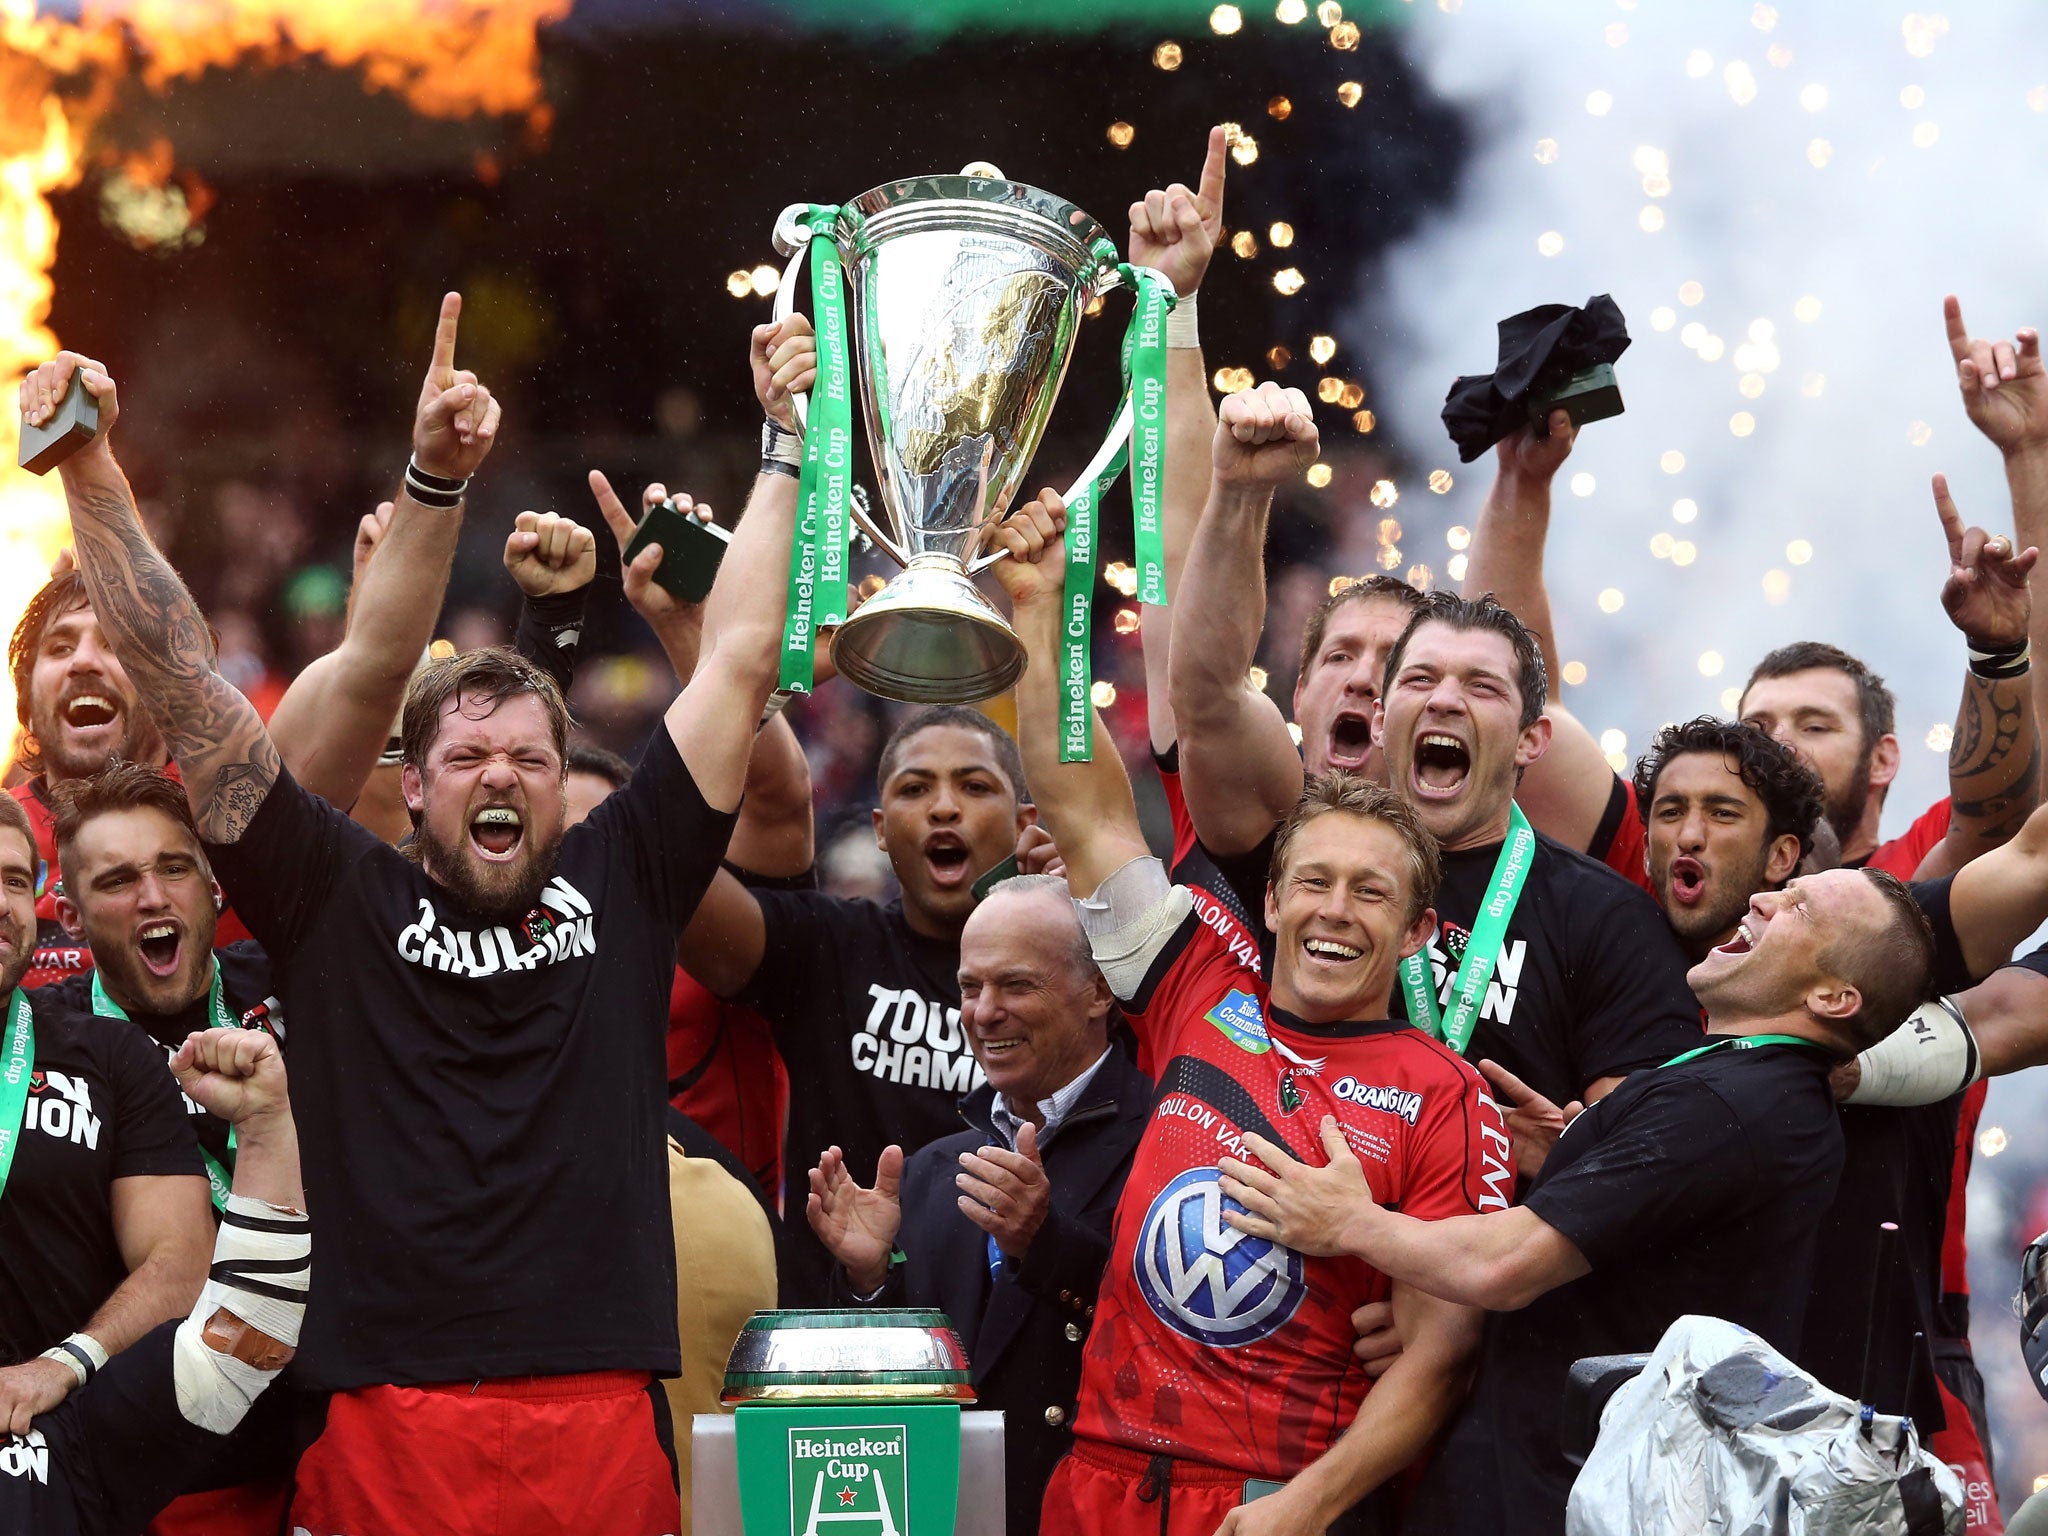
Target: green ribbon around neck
<point>16,1068</point>
<point>1741,1043</point>
<point>817,558</point>
<point>1482,949</point>
<point>219,1176</point>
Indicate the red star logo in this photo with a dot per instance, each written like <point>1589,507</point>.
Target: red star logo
<point>845,1496</point>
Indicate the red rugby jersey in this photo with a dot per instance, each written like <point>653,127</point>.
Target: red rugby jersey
<point>1218,1347</point>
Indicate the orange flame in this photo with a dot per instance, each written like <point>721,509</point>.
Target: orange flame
<point>58,78</point>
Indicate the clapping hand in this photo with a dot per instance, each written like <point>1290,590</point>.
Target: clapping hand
<point>858,1226</point>
<point>1006,1193</point>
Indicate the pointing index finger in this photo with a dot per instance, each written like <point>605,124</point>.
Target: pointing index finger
<point>443,364</point>
<point>1958,333</point>
<point>1951,519</point>
<point>1209,195</point>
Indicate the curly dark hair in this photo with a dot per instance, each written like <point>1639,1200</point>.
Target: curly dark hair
<point>1791,791</point>
<point>1443,606</point>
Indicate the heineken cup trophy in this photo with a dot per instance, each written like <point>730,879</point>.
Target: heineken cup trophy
<point>966,293</point>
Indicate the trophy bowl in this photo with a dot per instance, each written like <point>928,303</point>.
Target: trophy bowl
<point>859,1355</point>
<point>966,295</point>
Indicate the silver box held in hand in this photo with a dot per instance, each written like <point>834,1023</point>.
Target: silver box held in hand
<point>967,292</point>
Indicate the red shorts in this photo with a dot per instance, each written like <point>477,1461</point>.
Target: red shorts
<point>528,1456</point>
<point>1959,1446</point>
<point>254,1509</point>
<point>1105,1490</point>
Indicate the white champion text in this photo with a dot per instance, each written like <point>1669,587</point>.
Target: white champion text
<point>568,931</point>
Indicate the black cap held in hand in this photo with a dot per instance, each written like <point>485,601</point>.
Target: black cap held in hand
<point>1540,350</point>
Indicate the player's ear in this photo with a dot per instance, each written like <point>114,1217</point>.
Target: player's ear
<point>1782,859</point>
<point>410,785</point>
<point>881,837</point>
<point>1884,761</point>
<point>1272,913</point>
<point>1417,936</point>
<point>69,915</point>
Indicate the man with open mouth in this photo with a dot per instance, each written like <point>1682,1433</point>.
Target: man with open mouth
<point>1695,1187</point>
<point>1217,1369</point>
<point>463,1011</point>
<point>79,709</point>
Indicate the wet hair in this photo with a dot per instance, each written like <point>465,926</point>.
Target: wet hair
<point>598,763</point>
<point>1893,968</point>
<point>1376,585</point>
<point>1874,705</point>
<point>1352,794</point>
<point>59,595</point>
<point>1791,791</point>
<point>1478,613</point>
<point>492,673</point>
<point>118,787</point>
<point>1004,745</point>
<point>14,818</point>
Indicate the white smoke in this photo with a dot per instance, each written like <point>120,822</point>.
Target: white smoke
<point>1739,103</point>
<point>1931,137</point>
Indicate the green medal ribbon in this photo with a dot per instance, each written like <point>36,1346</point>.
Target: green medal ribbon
<point>19,1067</point>
<point>1482,949</point>
<point>1741,1043</point>
<point>817,557</point>
<point>217,1175</point>
<point>1144,375</point>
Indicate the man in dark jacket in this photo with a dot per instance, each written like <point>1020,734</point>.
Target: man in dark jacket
<point>1005,1226</point>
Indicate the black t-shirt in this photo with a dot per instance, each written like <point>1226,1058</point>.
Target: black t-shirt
<point>245,989</point>
<point>1695,1188</point>
<point>1898,1166</point>
<point>867,1015</point>
<point>100,1107</point>
<point>479,1099</point>
<point>1590,982</point>
<point>104,1461</point>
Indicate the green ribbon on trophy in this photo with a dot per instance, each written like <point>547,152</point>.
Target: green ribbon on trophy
<point>817,566</point>
<point>1144,374</point>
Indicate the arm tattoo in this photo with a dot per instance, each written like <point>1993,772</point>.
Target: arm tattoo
<point>1992,782</point>
<point>221,747</point>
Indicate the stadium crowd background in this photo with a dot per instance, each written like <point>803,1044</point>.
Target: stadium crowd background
<point>596,264</point>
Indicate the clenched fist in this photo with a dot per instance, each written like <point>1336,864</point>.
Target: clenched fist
<point>1264,438</point>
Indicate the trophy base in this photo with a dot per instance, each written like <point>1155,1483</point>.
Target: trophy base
<point>929,637</point>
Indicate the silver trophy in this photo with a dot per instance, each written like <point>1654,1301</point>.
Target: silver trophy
<point>966,294</point>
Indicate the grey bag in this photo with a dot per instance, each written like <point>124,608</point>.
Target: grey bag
<point>1721,1434</point>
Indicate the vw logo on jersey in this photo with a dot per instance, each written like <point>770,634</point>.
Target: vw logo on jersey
<point>1206,1279</point>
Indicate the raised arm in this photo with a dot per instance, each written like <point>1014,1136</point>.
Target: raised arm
<point>1087,807</point>
<point>1565,792</point>
<point>2004,386</point>
<point>1175,231</point>
<point>1239,767</point>
<point>714,718</point>
<point>1994,764</point>
<point>333,721</point>
<point>224,755</point>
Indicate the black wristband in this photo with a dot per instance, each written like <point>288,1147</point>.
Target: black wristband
<point>2000,664</point>
<point>434,482</point>
<point>71,1349</point>
<point>777,467</point>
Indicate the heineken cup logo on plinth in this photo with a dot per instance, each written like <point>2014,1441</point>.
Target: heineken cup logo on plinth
<point>853,1479</point>
<point>953,303</point>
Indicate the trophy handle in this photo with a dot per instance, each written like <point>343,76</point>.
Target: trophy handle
<point>1119,433</point>
<point>793,239</point>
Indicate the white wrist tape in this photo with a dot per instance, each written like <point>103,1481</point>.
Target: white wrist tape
<point>1180,324</point>
<point>1925,1060</point>
<point>262,1264</point>
<point>1129,919</point>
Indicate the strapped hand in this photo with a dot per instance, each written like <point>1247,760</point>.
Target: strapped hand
<point>1264,438</point>
<point>1299,1207</point>
<point>549,554</point>
<point>457,420</point>
<point>1175,231</point>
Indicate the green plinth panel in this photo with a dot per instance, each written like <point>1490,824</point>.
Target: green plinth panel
<point>880,1469</point>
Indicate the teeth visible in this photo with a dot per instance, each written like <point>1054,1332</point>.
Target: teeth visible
<point>1436,740</point>
<point>1333,948</point>
<point>997,1047</point>
<point>92,698</point>
<point>158,931</point>
<point>497,816</point>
